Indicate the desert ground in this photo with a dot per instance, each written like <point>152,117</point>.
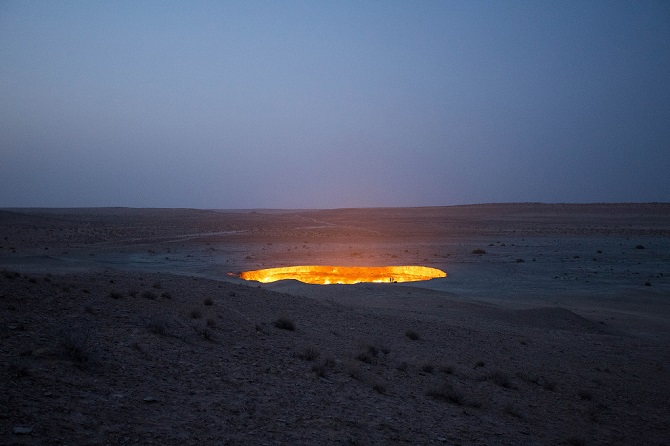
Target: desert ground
<point>130,326</point>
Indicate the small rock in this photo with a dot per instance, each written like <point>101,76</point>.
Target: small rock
<point>42,351</point>
<point>22,430</point>
<point>149,399</point>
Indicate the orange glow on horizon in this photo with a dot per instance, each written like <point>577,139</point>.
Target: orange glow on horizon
<point>326,275</point>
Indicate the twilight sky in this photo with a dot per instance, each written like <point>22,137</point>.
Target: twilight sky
<point>310,104</point>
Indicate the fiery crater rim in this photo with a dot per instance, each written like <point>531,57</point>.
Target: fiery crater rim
<point>327,275</point>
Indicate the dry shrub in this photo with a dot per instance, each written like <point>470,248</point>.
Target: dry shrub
<point>364,357</point>
<point>413,335</point>
<point>511,409</point>
<point>320,370</point>
<point>449,369</point>
<point>501,379</point>
<point>309,354</point>
<point>76,345</point>
<point>379,388</point>
<point>157,325</point>
<point>446,392</point>
<point>149,295</point>
<point>427,368</point>
<point>284,324</point>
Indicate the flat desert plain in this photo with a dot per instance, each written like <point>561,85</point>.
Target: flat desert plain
<point>130,326</point>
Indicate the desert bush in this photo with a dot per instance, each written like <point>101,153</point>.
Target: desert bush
<point>373,351</point>
<point>446,392</point>
<point>195,313</point>
<point>501,379</point>
<point>309,354</point>
<point>206,334</point>
<point>585,395</point>
<point>427,368</point>
<point>479,363</point>
<point>211,323</point>
<point>449,370</point>
<point>379,388</point>
<point>364,357</point>
<point>413,335</point>
<point>75,344</point>
<point>519,260</point>
<point>549,385</point>
<point>133,292</point>
<point>149,295</point>
<point>284,324</point>
<point>157,326</point>
<point>115,294</point>
<point>592,413</point>
<point>262,328</point>
<point>403,366</point>
<point>208,301</point>
<point>166,295</point>
<point>18,370</point>
<point>10,274</point>
<point>156,285</point>
<point>576,441</point>
<point>639,246</point>
<point>510,409</point>
<point>478,251</point>
<point>355,373</point>
<point>320,369</point>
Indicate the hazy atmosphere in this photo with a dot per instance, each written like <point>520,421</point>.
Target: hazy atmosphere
<point>349,104</point>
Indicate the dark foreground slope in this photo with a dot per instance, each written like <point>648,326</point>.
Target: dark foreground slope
<point>119,358</point>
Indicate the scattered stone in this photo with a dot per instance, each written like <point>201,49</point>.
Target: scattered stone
<point>22,430</point>
<point>42,351</point>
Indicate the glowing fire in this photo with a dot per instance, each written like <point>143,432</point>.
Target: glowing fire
<point>324,275</point>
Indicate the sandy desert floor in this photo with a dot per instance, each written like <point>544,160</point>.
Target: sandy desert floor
<point>124,326</point>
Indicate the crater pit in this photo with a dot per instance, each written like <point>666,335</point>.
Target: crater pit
<point>326,275</point>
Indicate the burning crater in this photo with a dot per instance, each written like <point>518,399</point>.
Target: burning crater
<point>325,275</point>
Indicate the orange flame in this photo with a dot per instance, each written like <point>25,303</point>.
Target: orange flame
<point>325,275</point>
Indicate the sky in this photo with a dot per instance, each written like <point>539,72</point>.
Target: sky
<point>310,104</point>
